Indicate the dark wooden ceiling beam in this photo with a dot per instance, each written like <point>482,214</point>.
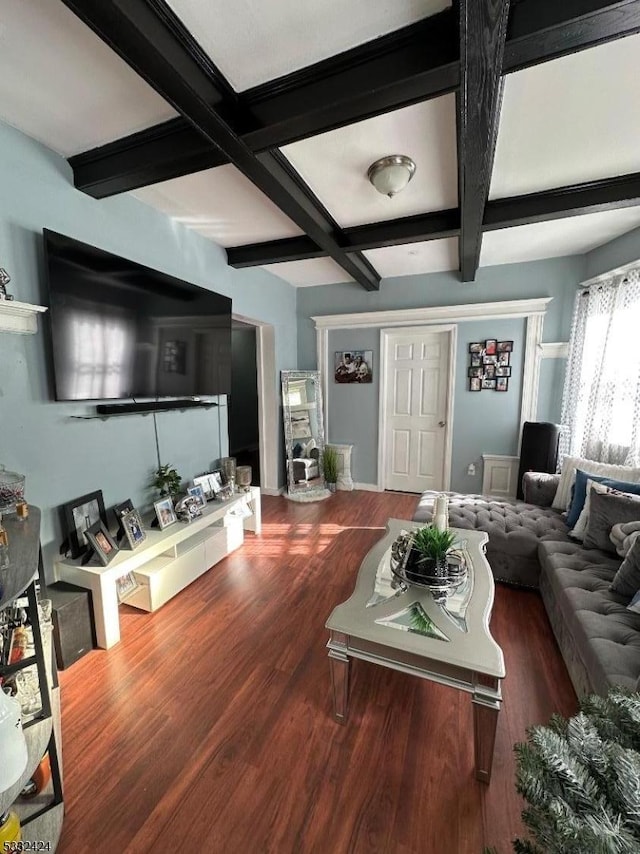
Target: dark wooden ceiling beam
<point>405,67</point>
<point>160,153</point>
<point>540,30</point>
<point>575,200</point>
<point>410,65</point>
<point>394,232</point>
<point>146,35</point>
<point>483,28</point>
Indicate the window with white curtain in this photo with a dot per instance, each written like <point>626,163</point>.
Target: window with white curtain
<point>601,401</point>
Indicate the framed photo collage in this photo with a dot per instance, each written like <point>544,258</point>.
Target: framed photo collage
<point>490,365</point>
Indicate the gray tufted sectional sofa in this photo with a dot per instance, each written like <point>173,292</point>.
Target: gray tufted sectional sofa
<point>529,546</point>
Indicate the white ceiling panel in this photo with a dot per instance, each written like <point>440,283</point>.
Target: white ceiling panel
<point>431,256</point>
<point>571,120</point>
<point>63,86</point>
<point>335,164</point>
<point>313,271</point>
<point>252,42</point>
<point>220,204</point>
<point>570,236</point>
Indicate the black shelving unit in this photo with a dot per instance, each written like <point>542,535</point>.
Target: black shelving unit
<point>40,816</point>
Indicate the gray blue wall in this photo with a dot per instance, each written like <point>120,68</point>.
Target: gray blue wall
<point>485,422</point>
<point>552,372</point>
<point>63,457</point>
<point>623,250</point>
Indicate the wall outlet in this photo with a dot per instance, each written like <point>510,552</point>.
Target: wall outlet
<point>471,469</point>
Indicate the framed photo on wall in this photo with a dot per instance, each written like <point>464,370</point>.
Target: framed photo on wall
<point>353,366</point>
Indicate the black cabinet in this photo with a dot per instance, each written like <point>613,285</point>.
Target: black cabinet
<point>41,814</point>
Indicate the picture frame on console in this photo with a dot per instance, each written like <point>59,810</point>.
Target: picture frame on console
<point>204,482</point>
<point>197,491</point>
<point>78,517</point>
<point>125,585</point>
<point>133,528</point>
<point>165,513</point>
<point>102,543</point>
<point>122,509</point>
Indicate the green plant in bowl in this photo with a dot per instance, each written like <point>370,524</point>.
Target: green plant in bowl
<point>432,547</point>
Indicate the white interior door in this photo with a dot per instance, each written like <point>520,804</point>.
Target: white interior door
<point>417,400</point>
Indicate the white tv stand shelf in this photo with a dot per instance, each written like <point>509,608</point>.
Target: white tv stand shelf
<point>166,562</point>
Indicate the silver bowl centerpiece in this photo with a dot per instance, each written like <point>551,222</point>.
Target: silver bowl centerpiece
<point>426,558</point>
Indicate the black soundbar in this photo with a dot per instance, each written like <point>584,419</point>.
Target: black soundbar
<point>151,406</point>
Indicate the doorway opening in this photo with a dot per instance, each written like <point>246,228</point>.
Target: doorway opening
<point>252,403</point>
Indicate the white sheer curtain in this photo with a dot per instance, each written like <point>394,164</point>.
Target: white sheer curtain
<point>601,400</point>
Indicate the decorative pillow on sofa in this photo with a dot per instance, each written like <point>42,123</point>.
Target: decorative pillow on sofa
<point>580,492</point>
<point>580,528</point>
<point>568,473</point>
<point>626,581</point>
<point>634,605</point>
<point>606,510</point>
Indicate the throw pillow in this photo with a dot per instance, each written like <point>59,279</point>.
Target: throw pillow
<point>580,492</point>
<point>634,605</point>
<point>580,528</point>
<point>623,536</point>
<point>626,581</point>
<point>570,464</point>
<point>606,510</point>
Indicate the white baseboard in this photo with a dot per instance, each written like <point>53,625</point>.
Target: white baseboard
<point>368,487</point>
<point>280,491</point>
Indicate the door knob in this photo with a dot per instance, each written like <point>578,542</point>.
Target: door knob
<point>442,423</point>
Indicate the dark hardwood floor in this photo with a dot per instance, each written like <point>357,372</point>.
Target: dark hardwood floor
<point>209,727</point>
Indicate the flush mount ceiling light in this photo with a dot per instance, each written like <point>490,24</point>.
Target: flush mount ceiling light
<point>391,174</point>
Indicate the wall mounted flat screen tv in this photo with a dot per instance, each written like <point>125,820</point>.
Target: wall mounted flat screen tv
<point>121,330</point>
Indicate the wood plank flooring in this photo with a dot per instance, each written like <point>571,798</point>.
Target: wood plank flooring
<point>209,727</point>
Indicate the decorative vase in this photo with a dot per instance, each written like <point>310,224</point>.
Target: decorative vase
<point>441,513</point>
<point>13,746</point>
<point>243,478</point>
<point>332,487</point>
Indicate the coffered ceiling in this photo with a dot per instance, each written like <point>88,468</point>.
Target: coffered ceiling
<point>254,123</point>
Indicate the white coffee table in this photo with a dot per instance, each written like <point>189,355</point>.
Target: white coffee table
<point>407,630</point>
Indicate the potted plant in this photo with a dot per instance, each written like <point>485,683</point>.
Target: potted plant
<point>167,480</point>
<point>330,467</point>
<point>429,551</point>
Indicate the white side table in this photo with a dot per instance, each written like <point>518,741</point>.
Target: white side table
<point>345,481</point>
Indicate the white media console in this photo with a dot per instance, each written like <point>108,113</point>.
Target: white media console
<point>166,562</point>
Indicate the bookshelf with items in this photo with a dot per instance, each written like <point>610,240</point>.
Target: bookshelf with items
<point>31,801</point>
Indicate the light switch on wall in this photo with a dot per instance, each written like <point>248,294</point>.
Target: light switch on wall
<point>471,469</point>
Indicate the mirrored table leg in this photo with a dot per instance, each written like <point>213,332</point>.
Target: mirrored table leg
<point>486,706</point>
<point>340,666</point>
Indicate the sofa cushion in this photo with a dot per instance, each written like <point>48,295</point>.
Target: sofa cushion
<point>514,530</point>
<point>626,581</point>
<point>606,510</point>
<point>606,634</point>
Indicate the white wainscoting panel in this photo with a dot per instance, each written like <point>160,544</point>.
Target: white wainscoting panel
<point>499,475</point>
